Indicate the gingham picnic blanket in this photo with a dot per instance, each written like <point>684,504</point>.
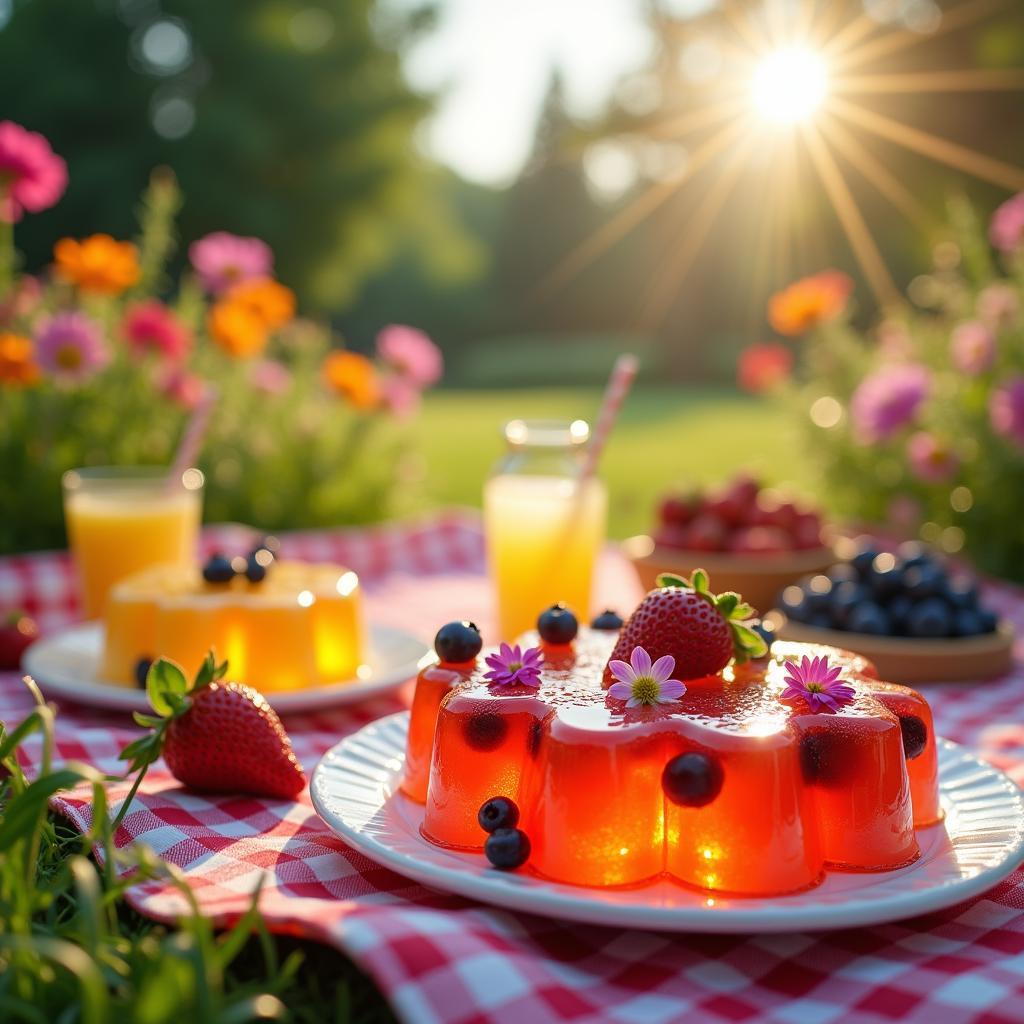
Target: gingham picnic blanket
<point>441,958</point>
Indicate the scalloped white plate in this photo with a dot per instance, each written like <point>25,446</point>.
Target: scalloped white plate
<point>67,665</point>
<point>355,791</point>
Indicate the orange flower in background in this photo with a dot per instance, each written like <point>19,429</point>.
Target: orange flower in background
<point>353,377</point>
<point>237,329</point>
<point>809,302</point>
<point>272,302</point>
<point>18,367</point>
<point>98,263</point>
<point>764,367</point>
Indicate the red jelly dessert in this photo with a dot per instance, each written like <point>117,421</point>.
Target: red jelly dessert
<point>731,787</point>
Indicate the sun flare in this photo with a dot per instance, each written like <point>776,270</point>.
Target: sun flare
<point>789,84</point>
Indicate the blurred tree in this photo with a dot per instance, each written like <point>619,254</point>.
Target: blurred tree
<point>281,119</point>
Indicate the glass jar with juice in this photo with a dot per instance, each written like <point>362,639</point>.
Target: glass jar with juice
<point>123,519</point>
<point>544,523</point>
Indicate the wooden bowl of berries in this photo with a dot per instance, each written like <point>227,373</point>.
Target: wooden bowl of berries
<point>748,539</point>
<point>908,611</point>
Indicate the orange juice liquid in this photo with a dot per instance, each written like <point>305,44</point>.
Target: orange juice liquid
<point>543,537</point>
<point>116,533</point>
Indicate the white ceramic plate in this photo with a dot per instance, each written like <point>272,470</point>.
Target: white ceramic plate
<point>66,665</point>
<point>355,791</point>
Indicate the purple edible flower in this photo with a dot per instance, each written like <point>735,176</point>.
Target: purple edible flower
<point>514,665</point>
<point>817,683</point>
<point>640,682</point>
<point>888,399</point>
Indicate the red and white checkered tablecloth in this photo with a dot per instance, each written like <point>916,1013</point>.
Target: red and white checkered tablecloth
<point>441,958</point>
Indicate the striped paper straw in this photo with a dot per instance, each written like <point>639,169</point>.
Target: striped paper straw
<point>192,440</point>
<point>621,380</point>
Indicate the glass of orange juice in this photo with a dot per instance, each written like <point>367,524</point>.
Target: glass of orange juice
<point>544,524</point>
<point>123,519</point>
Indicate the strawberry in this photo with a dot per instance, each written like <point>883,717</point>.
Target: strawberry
<point>219,737</point>
<point>701,630</point>
<point>706,533</point>
<point>677,509</point>
<point>760,540</point>
<point>17,631</point>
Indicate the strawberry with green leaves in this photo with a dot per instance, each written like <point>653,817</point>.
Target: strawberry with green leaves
<point>215,736</point>
<point>702,631</point>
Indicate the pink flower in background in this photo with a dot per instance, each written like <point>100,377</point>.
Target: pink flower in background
<point>972,348</point>
<point>150,326</point>
<point>222,260</point>
<point>1006,409</point>
<point>400,395</point>
<point>270,377</point>
<point>181,387</point>
<point>22,299</point>
<point>71,347</point>
<point>411,354</point>
<point>887,400</point>
<point>32,176</point>
<point>817,684</point>
<point>904,511</point>
<point>931,460</point>
<point>763,367</point>
<point>894,340</point>
<point>1006,229</point>
<point>998,305</point>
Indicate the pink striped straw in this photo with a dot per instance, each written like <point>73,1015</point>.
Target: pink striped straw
<point>192,440</point>
<point>621,380</point>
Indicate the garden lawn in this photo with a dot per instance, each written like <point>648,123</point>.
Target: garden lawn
<point>663,437</point>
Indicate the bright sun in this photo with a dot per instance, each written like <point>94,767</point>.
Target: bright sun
<point>788,85</point>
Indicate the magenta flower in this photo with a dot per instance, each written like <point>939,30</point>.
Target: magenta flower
<point>513,665</point>
<point>998,305</point>
<point>640,682</point>
<point>181,387</point>
<point>972,348</point>
<point>930,459</point>
<point>270,377</point>
<point>32,176</point>
<point>888,399</point>
<point>222,260</point>
<point>817,684</point>
<point>71,347</point>
<point>400,395</point>
<point>1006,229</point>
<point>150,326</point>
<point>411,354</point>
<point>1006,409</point>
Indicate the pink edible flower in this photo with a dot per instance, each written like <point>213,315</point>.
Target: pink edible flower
<point>1006,229</point>
<point>972,348</point>
<point>998,305</point>
<point>887,400</point>
<point>222,260</point>
<point>817,683</point>
<point>150,326</point>
<point>930,459</point>
<point>1006,409</point>
<point>71,347</point>
<point>513,665</point>
<point>411,354</point>
<point>182,387</point>
<point>270,377</point>
<point>400,396</point>
<point>640,682</point>
<point>32,176</point>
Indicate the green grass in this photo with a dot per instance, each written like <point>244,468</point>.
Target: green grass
<point>663,437</point>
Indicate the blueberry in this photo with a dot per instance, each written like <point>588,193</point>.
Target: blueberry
<point>608,619</point>
<point>791,600</point>
<point>885,578</point>
<point>557,625</point>
<point>142,667</point>
<point>534,737</point>
<point>961,592</point>
<point>766,631</point>
<point>866,553</point>
<point>915,736</point>
<point>819,620</point>
<point>218,569</point>
<point>824,758</point>
<point>498,812</point>
<point>966,622</point>
<point>817,593</point>
<point>930,618</point>
<point>842,572</point>
<point>692,779</point>
<point>256,566</point>
<point>507,848</point>
<point>914,553</point>
<point>869,617</point>
<point>485,731</point>
<point>899,608</point>
<point>989,620</point>
<point>927,580</point>
<point>846,595</point>
<point>458,642</point>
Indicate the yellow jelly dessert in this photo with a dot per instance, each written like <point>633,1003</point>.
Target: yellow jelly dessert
<point>297,626</point>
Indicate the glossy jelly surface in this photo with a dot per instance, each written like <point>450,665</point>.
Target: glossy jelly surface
<point>770,795</point>
<point>300,626</point>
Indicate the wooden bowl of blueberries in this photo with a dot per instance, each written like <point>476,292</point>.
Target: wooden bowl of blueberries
<point>916,617</point>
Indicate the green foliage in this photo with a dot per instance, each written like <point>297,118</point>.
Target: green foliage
<point>71,949</point>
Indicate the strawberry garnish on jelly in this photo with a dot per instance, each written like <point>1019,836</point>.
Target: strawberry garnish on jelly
<point>682,618</point>
<point>215,736</point>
